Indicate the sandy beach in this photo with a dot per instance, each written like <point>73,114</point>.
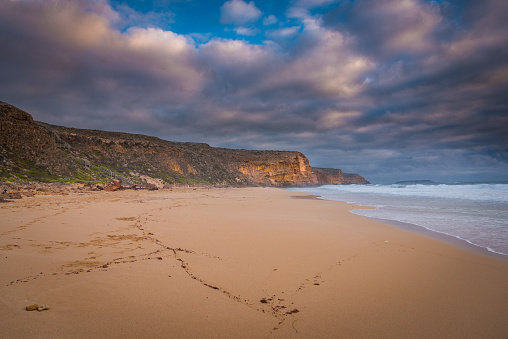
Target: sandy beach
<point>234,263</point>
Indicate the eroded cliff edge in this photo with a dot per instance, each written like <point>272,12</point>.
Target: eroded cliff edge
<point>31,150</point>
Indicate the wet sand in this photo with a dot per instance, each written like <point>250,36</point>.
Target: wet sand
<point>234,263</point>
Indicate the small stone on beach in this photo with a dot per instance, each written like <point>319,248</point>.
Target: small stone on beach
<point>32,307</point>
<point>36,307</point>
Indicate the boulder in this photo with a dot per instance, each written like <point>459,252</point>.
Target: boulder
<point>114,186</point>
<point>14,195</point>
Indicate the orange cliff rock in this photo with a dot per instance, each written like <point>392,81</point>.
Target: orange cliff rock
<point>284,170</point>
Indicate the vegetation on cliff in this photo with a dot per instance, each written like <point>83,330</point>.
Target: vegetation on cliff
<point>36,151</point>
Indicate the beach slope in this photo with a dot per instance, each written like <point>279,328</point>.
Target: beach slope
<point>234,263</point>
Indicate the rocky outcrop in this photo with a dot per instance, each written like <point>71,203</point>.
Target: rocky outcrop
<point>35,151</point>
<point>24,145</point>
<point>351,178</point>
<point>334,176</point>
<point>114,186</point>
<point>328,176</point>
<point>282,169</point>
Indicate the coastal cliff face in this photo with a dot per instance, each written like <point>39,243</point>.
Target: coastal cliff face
<point>329,176</point>
<point>352,178</point>
<point>286,168</point>
<point>31,150</point>
<point>24,144</point>
<point>334,176</point>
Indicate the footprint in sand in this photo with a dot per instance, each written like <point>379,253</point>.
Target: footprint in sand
<point>126,218</point>
<point>9,247</point>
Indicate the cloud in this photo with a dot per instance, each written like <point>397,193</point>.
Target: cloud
<point>389,28</point>
<point>128,17</point>
<point>249,31</point>
<point>283,33</point>
<point>170,54</point>
<point>324,60</point>
<point>76,59</point>
<point>270,20</point>
<point>313,3</point>
<point>239,12</point>
<point>297,13</point>
<point>234,67</point>
<point>335,119</point>
<point>385,88</point>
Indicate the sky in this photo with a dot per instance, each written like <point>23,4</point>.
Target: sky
<point>390,89</point>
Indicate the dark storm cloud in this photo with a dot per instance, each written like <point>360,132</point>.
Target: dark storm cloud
<point>92,71</point>
<point>384,88</point>
<point>443,86</point>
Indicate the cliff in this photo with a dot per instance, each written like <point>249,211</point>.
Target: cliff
<point>36,151</point>
<point>352,178</point>
<point>329,176</point>
<point>334,176</point>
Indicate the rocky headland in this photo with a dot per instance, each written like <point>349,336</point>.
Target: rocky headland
<point>47,157</point>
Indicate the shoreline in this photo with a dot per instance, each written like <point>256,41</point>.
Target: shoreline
<point>450,239</point>
<point>421,230</point>
<point>234,263</point>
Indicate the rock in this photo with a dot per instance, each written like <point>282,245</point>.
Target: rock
<point>15,195</point>
<point>277,168</point>
<point>114,186</point>
<point>352,178</point>
<point>43,308</point>
<point>333,176</point>
<point>151,187</point>
<point>328,176</point>
<point>32,307</point>
<point>10,112</point>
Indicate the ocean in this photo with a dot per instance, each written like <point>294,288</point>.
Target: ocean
<point>474,212</point>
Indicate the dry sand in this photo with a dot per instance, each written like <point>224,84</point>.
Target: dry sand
<point>197,264</point>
